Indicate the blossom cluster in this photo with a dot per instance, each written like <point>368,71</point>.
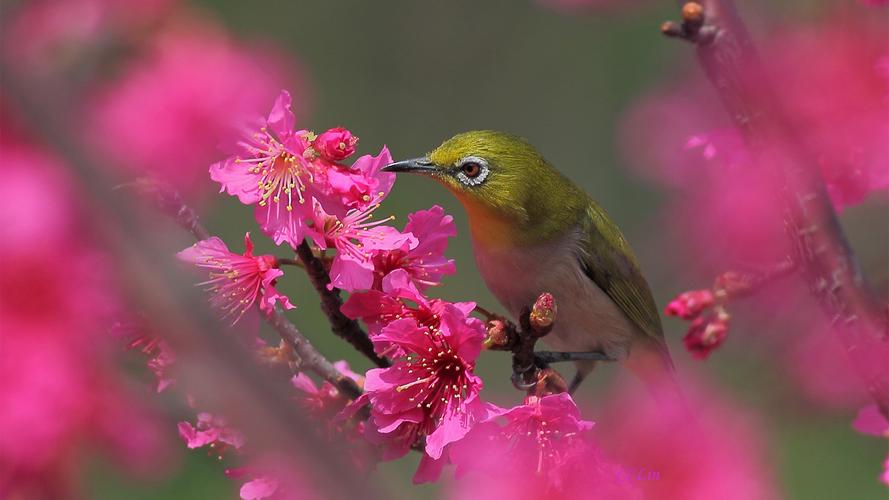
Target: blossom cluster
<point>429,399</point>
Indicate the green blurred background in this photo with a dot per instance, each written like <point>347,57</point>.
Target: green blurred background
<point>410,73</point>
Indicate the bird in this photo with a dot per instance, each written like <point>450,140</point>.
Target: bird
<point>533,231</point>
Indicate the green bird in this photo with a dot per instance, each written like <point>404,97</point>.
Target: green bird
<point>535,231</point>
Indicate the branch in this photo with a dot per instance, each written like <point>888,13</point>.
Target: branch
<point>309,357</point>
<point>820,247</point>
<point>529,372</point>
<point>168,201</point>
<point>343,327</point>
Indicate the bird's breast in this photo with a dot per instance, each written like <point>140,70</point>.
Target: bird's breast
<point>587,319</point>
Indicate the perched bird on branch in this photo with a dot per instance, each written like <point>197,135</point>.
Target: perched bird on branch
<point>535,231</point>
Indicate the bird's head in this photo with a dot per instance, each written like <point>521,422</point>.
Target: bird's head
<point>502,181</point>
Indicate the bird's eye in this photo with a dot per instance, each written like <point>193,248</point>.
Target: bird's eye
<point>471,169</point>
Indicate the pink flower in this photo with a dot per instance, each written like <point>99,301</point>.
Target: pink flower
<point>379,309</point>
<point>60,389</point>
<point>538,438</point>
<point>276,169</point>
<point>210,430</point>
<point>323,402</point>
<point>424,262</point>
<point>176,101</point>
<point>259,488</point>
<point>160,355</point>
<point>335,144</point>
<point>689,305</point>
<point>706,333</point>
<point>356,239</point>
<point>432,391</point>
<point>56,34</point>
<point>705,448</point>
<point>870,421</point>
<point>543,450</point>
<point>236,280</point>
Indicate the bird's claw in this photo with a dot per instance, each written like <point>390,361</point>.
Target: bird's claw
<point>518,378</point>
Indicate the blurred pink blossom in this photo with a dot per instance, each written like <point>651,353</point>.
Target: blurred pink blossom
<point>690,305</point>
<point>210,430</point>
<point>703,449</point>
<point>237,281</point>
<point>180,98</point>
<point>706,333</point>
<point>46,34</point>
<point>543,450</point>
<point>871,421</point>
<point>59,387</point>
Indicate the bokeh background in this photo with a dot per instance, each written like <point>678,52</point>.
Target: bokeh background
<point>565,75</point>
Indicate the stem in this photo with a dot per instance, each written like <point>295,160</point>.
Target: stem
<point>309,357</point>
<point>345,328</point>
<point>820,247</point>
<point>170,202</point>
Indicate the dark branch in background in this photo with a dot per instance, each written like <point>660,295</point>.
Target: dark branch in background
<point>529,372</point>
<point>169,202</point>
<point>343,327</point>
<point>821,250</point>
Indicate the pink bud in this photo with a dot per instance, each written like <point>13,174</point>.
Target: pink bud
<point>543,314</point>
<point>706,334</point>
<point>335,144</point>
<point>690,305</point>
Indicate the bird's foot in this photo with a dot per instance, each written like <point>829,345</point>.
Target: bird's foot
<point>546,357</point>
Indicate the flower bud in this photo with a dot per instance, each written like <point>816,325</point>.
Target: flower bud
<point>497,333</point>
<point>543,314</point>
<point>690,305</point>
<point>706,334</point>
<point>335,144</point>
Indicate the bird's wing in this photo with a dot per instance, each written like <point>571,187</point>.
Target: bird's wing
<point>606,257</point>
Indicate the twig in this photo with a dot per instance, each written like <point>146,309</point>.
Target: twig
<point>170,203</point>
<point>529,372</point>
<point>342,326</point>
<point>309,357</point>
<point>821,250</point>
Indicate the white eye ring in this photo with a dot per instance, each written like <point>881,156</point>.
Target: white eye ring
<point>483,171</point>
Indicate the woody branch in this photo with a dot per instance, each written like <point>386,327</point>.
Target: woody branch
<point>821,251</point>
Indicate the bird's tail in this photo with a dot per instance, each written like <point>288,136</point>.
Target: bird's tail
<point>650,361</point>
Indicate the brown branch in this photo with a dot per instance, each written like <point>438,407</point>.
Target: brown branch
<point>820,247</point>
<point>529,372</point>
<point>344,327</point>
<point>168,201</point>
<point>309,357</point>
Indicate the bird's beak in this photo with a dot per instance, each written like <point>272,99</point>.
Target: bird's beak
<point>416,165</point>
